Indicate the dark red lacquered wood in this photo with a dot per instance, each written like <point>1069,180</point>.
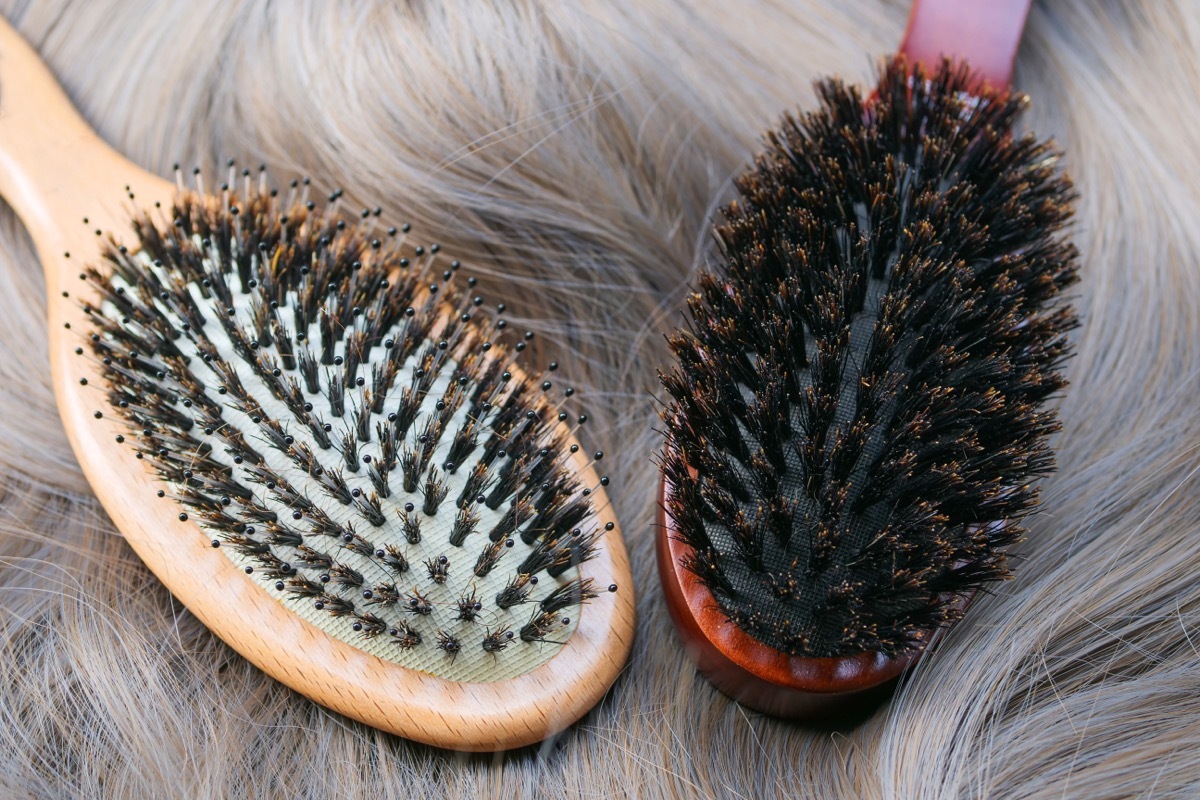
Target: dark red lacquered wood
<point>984,33</point>
<point>754,674</point>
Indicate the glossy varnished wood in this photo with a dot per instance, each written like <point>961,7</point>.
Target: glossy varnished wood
<point>754,674</point>
<point>55,171</point>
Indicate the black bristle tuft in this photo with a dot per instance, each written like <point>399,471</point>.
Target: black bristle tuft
<point>438,569</point>
<point>497,640</point>
<point>469,606</point>
<point>855,423</point>
<point>448,643</point>
<point>514,593</point>
<point>570,594</point>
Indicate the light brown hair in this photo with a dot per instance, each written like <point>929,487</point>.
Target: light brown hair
<point>572,155</point>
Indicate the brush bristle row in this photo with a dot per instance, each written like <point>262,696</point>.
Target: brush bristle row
<point>855,422</point>
<point>349,427</point>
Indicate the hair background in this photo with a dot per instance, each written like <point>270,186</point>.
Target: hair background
<point>572,153</point>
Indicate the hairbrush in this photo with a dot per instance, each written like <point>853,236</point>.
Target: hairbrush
<point>856,421</point>
<point>319,440</point>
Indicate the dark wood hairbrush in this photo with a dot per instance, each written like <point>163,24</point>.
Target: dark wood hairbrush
<point>855,423</point>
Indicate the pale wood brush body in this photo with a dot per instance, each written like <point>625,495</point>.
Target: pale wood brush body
<point>55,171</point>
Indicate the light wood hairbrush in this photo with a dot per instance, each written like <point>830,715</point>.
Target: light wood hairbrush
<point>290,381</point>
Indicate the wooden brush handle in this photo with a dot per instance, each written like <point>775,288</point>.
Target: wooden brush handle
<point>984,33</point>
<point>54,169</point>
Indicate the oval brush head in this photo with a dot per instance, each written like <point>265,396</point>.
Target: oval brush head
<point>856,419</point>
<point>352,430</point>
<point>358,487</point>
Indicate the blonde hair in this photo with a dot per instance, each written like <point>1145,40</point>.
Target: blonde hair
<point>572,154</point>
